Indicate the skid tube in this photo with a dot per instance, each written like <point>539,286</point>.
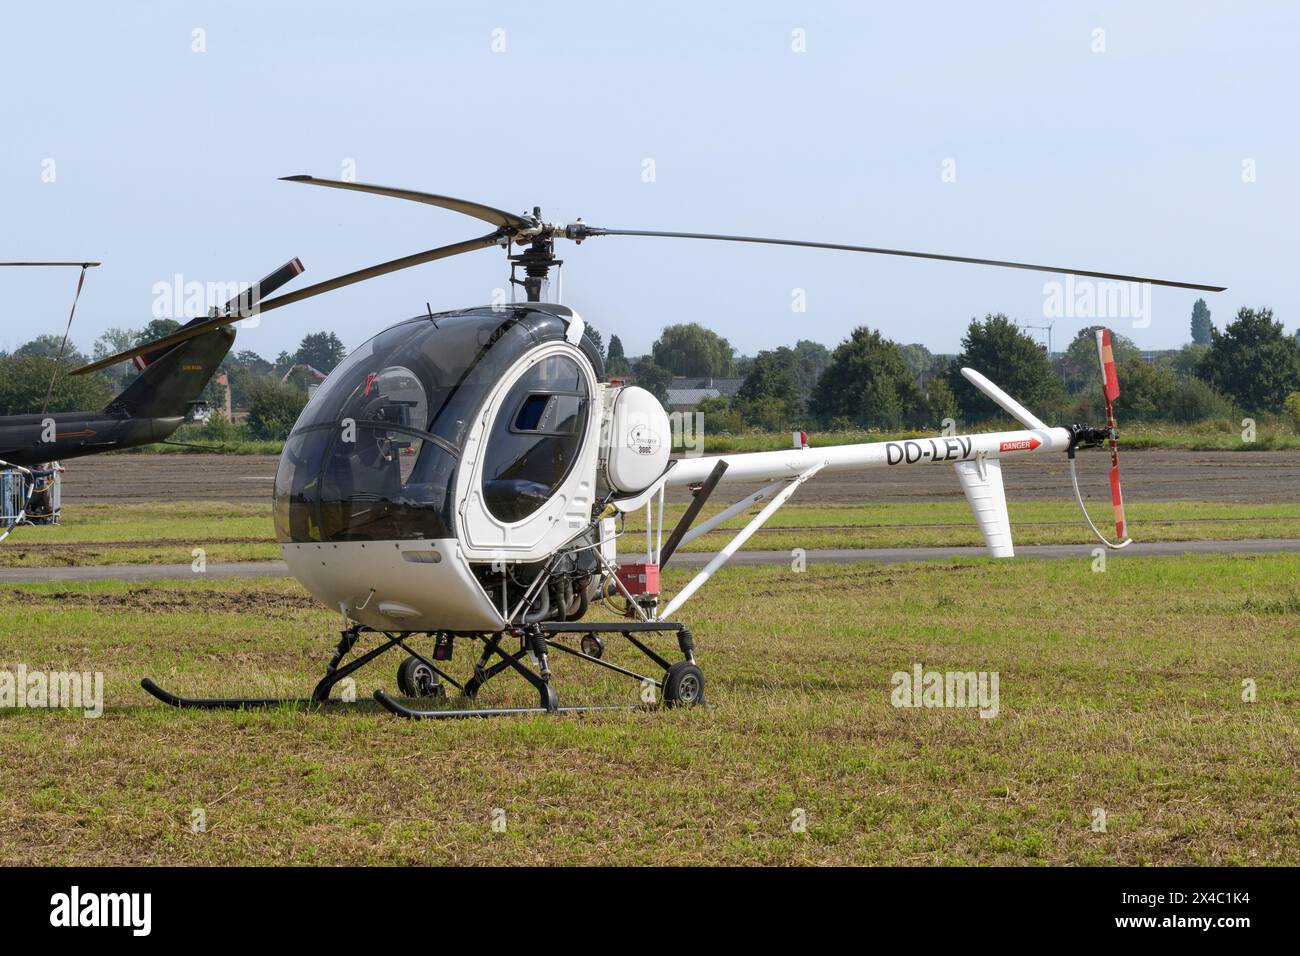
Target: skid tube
<point>537,639</point>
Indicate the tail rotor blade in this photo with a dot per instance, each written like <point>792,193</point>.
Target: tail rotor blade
<point>1106,355</point>
<point>244,302</point>
<point>1110,392</point>
<point>1117,499</point>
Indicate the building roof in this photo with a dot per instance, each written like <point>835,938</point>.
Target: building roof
<point>721,386</point>
<point>690,397</point>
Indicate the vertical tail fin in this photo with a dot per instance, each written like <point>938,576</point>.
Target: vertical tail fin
<point>172,379</point>
<point>981,480</point>
<point>171,385</point>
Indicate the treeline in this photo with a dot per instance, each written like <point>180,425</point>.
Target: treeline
<point>1251,367</point>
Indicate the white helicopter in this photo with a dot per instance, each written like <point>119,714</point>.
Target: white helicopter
<point>464,476</point>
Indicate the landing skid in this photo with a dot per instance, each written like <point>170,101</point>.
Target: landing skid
<point>680,684</point>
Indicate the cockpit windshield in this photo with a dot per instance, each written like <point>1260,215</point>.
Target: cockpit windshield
<point>373,457</point>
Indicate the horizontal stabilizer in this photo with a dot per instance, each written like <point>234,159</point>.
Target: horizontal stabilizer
<point>981,480</point>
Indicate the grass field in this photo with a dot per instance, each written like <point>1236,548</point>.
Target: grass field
<point>104,534</point>
<point>1119,691</point>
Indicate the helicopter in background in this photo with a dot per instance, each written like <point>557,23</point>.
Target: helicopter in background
<point>464,476</point>
<point>149,409</point>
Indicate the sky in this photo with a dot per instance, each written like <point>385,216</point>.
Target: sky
<point>1156,138</point>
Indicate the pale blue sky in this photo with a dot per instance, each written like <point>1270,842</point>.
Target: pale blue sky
<point>1128,160</point>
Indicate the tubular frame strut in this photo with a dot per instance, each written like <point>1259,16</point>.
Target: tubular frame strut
<point>535,640</point>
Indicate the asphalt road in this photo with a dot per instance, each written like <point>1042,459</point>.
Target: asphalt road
<point>260,569</point>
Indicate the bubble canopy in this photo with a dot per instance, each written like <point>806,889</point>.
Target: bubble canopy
<point>374,455</point>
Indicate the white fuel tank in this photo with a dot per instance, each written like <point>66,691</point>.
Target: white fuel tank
<point>635,439</point>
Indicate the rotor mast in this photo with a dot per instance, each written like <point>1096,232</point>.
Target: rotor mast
<point>538,257</point>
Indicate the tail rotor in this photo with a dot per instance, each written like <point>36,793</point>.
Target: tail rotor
<point>1110,392</point>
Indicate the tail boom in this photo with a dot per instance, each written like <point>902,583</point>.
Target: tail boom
<point>947,449</point>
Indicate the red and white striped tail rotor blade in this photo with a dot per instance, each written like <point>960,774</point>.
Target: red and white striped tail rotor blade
<point>1117,499</point>
<point>1106,354</point>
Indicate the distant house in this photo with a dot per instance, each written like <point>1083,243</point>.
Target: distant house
<point>685,393</point>
<point>303,376</point>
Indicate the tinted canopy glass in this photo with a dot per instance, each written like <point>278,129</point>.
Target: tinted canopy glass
<point>375,452</point>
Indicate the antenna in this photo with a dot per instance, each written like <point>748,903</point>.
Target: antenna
<point>1044,328</point>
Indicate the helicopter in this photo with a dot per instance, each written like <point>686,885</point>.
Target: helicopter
<point>148,410</point>
<point>464,476</point>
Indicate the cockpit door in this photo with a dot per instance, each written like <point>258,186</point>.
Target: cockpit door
<point>528,471</point>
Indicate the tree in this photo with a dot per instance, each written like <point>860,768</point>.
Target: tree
<point>250,360</point>
<point>772,383</point>
<point>918,359</point>
<point>1188,359</point>
<point>156,329</point>
<point>1013,361</point>
<point>652,378</point>
<point>811,359</point>
<point>616,361</point>
<point>869,384</point>
<point>1253,361</point>
<point>321,350</point>
<point>1080,369</point>
<point>1145,391</point>
<point>112,341</point>
<point>691,349</point>
<point>273,407</point>
<point>1291,407</point>
<point>1201,324</point>
<point>48,346</point>
<point>720,416</point>
<point>597,339</point>
<point>24,380</point>
<point>1194,401</point>
<point>940,400</point>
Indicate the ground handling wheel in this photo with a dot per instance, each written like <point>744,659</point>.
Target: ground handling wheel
<point>415,678</point>
<point>683,685</point>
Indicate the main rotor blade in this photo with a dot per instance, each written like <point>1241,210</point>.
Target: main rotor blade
<point>498,217</point>
<point>329,285</point>
<point>595,231</point>
<point>84,265</point>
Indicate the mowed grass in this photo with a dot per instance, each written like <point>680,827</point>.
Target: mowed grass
<point>1119,690</point>
<point>101,534</point>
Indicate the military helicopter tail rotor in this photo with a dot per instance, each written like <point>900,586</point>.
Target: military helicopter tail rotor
<point>229,317</point>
